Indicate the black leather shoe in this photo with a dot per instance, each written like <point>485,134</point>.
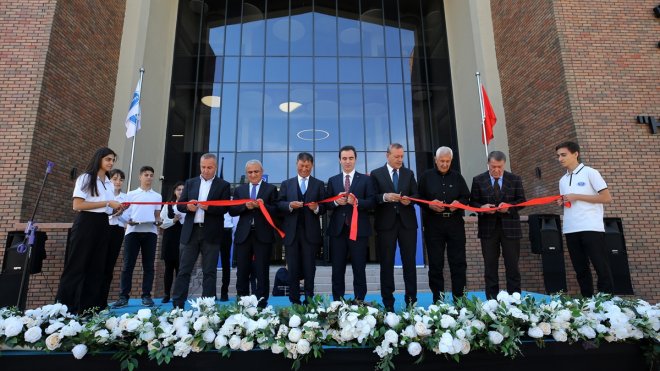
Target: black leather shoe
<point>224,297</point>
<point>166,299</point>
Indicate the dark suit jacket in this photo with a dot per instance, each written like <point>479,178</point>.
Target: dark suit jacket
<point>363,188</point>
<point>213,217</point>
<point>289,191</point>
<point>512,193</point>
<point>386,211</point>
<point>263,230</point>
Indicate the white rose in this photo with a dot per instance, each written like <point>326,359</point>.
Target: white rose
<point>201,323</point>
<point>391,337</point>
<point>303,346</point>
<point>392,319</point>
<point>220,342</point>
<point>495,337</point>
<point>546,328</point>
<point>246,344</point>
<point>252,311</point>
<point>208,336</point>
<point>294,335</point>
<point>234,342</point>
<point>102,335</point>
<point>13,326</point>
<point>53,341</point>
<point>421,329</point>
<point>144,314</point>
<point>587,331</point>
<point>480,326</point>
<point>111,323</point>
<point>32,335</point>
<point>504,296</point>
<point>560,336</point>
<point>466,347</point>
<point>535,332</point>
<point>54,327</point>
<point>294,321</point>
<point>370,320</point>
<point>409,332</point>
<point>276,348</point>
<point>79,351</point>
<point>132,324</point>
<point>181,349</point>
<point>148,335</point>
<point>414,348</point>
<point>447,321</point>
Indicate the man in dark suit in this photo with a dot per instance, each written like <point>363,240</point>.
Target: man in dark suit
<point>202,229</point>
<point>298,201</point>
<point>362,191</point>
<point>498,188</point>
<point>396,222</point>
<point>254,236</point>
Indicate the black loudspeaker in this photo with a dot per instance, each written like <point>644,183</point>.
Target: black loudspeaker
<point>10,285</point>
<point>615,246</point>
<point>14,261</point>
<point>545,239</point>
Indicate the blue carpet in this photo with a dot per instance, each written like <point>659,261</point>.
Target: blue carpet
<point>424,299</point>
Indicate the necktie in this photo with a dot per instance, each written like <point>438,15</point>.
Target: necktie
<point>395,180</point>
<point>253,192</point>
<point>303,185</point>
<point>496,189</point>
<point>347,184</point>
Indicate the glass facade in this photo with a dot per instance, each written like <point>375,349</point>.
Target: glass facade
<point>267,79</point>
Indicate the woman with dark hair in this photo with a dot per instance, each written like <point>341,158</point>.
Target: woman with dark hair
<point>81,283</point>
<point>172,224</point>
<point>117,229</point>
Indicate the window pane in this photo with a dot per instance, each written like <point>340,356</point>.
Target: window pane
<point>326,118</point>
<point>374,70</point>
<point>350,70</point>
<point>252,40</point>
<point>277,36</point>
<point>326,164</point>
<point>226,166</point>
<point>349,28</point>
<point>275,120</point>
<point>373,38</point>
<point>275,166</point>
<point>231,69</point>
<point>392,42</point>
<point>394,70</point>
<point>397,114</point>
<point>376,159</point>
<point>229,105</point>
<point>252,69</point>
<point>325,34</point>
<point>302,69</point>
<point>376,117</point>
<point>249,117</point>
<point>351,120</point>
<point>217,40</point>
<point>277,69</point>
<point>301,119</point>
<point>301,34</point>
<point>214,118</point>
<point>325,69</point>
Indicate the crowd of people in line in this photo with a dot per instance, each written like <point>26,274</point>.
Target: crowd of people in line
<point>106,220</point>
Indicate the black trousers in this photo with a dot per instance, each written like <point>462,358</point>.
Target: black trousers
<point>387,240</point>
<point>171,270</point>
<point>340,247</point>
<point>225,254</point>
<point>301,262</point>
<point>585,246</point>
<point>134,244</point>
<point>188,255</point>
<point>440,234</point>
<point>115,240</point>
<point>244,267</point>
<point>490,249</point>
<point>81,284</point>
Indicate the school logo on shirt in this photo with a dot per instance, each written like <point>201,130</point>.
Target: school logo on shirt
<point>582,184</point>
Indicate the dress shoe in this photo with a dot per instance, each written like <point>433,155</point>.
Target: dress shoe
<point>122,302</point>
<point>166,299</point>
<point>224,297</point>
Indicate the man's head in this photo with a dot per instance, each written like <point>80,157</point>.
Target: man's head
<point>208,166</point>
<point>568,154</point>
<point>304,164</point>
<point>496,162</point>
<point>395,155</point>
<point>146,177</point>
<point>443,157</point>
<point>347,157</point>
<point>254,171</point>
<point>117,177</point>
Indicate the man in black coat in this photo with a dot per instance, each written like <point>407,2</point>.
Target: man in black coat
<point>202,229</point>
<point>298,201</point>
<point>253,236</point>
<point>362,192</point>
<point>396,222</point>
<point>495,188</point>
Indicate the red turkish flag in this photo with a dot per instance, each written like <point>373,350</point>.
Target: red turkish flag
<point>490,119</point>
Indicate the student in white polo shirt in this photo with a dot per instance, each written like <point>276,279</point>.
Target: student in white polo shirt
<point>141,236</point>
<point>583,193</point>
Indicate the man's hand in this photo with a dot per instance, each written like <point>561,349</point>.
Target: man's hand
<point>436,208</point>
<point>352,200</point>
<point>452,209</point>
<point>488,206</point>
<point>313,206</point>
<point>132,222</point>
<point>342,200</point>
<point>504,207</point>
<point>295,205</point>
<point>392,197</point>
<point>192,207</point>
<point>404,200</point>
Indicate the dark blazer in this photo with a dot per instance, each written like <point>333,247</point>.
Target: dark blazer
<point>264,232</point>
<point>512,193</point>
<point>386,211</point>
<point>289,191</point>
<point>213,216</point>
<point>363,188</point>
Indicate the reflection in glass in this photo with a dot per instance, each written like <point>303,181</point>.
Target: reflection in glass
<point>302,69</point>
<point>252,40</point>
<point>275,121</point>
<point>326,164</point>
<point>350,70</point>
<point>374,70</point>
<point>229,117</point>
<point>275,165</point>
<point>326,117</point>
<point>325,69</point>
<point>325,34</point>
<point>351,119</point>
<point>394,70</point>
<point>277,36</point>
<point>372,33</point>
<point>301,121</point>
<point>277,69</point>
<point>397,108</point>
<point>349,29</point>
<point>226,167</point>
<point>250,103</point>
<point>376,119</point>
<point>301,34</point>
<point>231,69</point>
<point>217,40</point>
<point>252,69</point>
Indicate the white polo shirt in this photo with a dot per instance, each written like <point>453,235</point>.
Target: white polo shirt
<point>143,214</point>
<point>583,216</point>
<point>106,192</point>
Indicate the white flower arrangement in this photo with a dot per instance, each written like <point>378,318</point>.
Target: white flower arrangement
<point>302,331</point>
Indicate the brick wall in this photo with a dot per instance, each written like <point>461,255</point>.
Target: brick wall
<point>574,71</point>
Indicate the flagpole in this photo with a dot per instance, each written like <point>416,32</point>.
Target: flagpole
<point>130,167</point>
<point>483,113</point>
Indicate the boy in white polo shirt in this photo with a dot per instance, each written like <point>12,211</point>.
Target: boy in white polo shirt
<point>583,193</point>
<point>141,234</point>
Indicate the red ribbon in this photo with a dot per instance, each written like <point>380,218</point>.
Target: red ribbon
<point>458,205</point>
<point>352,235</point>
<point>262,207</point>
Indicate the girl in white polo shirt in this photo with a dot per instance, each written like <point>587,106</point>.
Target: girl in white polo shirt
<point>584,192</point>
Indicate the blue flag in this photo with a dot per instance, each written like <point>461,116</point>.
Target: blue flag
<point>133,117</point>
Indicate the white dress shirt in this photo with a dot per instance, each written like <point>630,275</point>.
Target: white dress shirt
<point>204,188</point>
<point>106,192</point>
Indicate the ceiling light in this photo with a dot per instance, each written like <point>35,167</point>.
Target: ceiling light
<point>289,106</point>
<point>211,101</point>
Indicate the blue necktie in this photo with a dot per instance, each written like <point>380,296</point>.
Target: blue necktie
<point>395,180</point>
<point>253,192</point>
<point>303,186</point>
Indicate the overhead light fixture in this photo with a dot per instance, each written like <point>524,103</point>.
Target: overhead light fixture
<point>212,101</point>
<point>289,106</point>
<point>177,135</point>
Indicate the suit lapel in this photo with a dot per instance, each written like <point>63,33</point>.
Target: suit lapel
<point>357,178</point>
